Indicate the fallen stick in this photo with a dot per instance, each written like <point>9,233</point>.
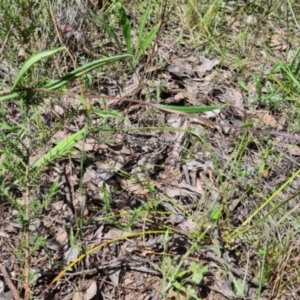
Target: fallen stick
<point>9,282</point>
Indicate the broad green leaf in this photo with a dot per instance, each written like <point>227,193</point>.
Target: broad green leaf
<point>107,27</point>
<point>190,109</point>
<point>197,273</point>
<point>125,26</point>
<point>35,58</point>
<point>61,149</point>
<point>55,84</point>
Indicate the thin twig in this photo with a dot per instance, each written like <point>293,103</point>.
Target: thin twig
<point>9,282</point>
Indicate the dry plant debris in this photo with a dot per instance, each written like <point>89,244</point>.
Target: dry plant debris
<point>185,185</point>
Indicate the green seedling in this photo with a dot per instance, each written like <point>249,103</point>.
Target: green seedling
<point>143,39</point>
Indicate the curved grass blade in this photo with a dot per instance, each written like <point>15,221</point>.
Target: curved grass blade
<point>35,58</point>
<point>190,109</point>
<point>148,40</point>
<point>61,149</point>
<point>144,42</point>
<point>242,228</point>
<point>99,246</point>
<point>55,84</point>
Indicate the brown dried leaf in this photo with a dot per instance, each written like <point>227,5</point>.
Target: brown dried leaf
<point>79,201</point>
<point>91,291</point>
<point>58,110</point>
<point>207,65</point>
<point>114,233</point>
<point>192,66</point>
<point>265,118</point>
<point>187,226</point>
<point>77,296</point>
<point>114,277</point>
<point>90,144</point>
<point>176,295</point>
<point>291,149</point>
<point>57,205</point>
<point>70,101</point>
<point>180,96</point>
<point>58,136</point>
<point>61,236</point>
<point>72,254</point>
<point>3,234</point>
<point>180,67</point>
<point>223,286</point>
<point>278,42</point>
<point>97,237</point>
<point>235,98</point>
<point>135,188</point>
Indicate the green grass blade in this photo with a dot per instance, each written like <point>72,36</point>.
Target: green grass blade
<point>190,109</point>
<point>267,201</point>
<point>106,113</point>
<point>6,126</point>
<point>125,26</point>
<point>143,22</point>
<point>9,96</point>
<point>289,73</point>
<point>107,27</point>
<point>35,58</point>
<point>239,286</point>
<point>148,40</point>
<point>61,149</point>
<point>55,84</point>
<point>276,68</point>
<point>295,62</point>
